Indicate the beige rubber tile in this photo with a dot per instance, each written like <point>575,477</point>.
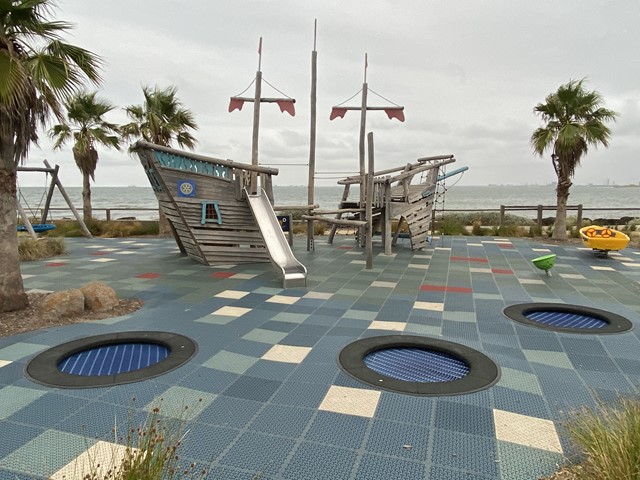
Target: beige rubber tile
<point>4,363</point>
<point>528,431</point>
<point>531,281</point>
<point>234,294</point>
<point>97,460</point>
<point>383,284</point>
<point>283,299</point>
<point>393,326</point>
<point>286,354</point>
<point>351,401</point>
<point>318,295</point>
<point>573,276</point>
<point>435,306</point>
<point>603,269</point>
<point>228,311</point>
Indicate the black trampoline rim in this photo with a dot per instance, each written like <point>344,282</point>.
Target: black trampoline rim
<point>43,368</point>
<point>615,323</point>
<point>483,372</point>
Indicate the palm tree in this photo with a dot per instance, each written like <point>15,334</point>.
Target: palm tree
<point>574,120</point>
<point>161,119</point>
<point>85,112</point>
<point>38,71</point>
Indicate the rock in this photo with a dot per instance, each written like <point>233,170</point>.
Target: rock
<point>64,303</point>
<point>99,297</point>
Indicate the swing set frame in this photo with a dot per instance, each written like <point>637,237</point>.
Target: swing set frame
<point>55,182</point>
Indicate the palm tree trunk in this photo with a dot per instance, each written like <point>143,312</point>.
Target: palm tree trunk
<point>12,296</point>
<point>87,213</point>
<point>562,192</point>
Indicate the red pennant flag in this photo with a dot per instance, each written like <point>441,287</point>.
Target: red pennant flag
<point>287,106</point>
<point>337,112</point>
<point>395,113</point>
<point>235,104</point>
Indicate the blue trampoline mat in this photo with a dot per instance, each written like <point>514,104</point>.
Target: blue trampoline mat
<point>416,365</point>
<point>565,319</point>
<point>113,359</point>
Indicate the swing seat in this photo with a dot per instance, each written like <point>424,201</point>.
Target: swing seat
<point>38,227</point>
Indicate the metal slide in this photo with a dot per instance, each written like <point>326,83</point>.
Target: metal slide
<point>294,273</point>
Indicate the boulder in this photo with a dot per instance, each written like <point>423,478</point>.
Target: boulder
<point>63,303</point>
<point>99,297</point>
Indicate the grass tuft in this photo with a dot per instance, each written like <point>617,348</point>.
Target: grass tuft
<point>30,249</point>
<point>608,438</point>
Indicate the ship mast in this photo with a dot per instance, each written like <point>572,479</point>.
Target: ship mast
<point>286,104</point>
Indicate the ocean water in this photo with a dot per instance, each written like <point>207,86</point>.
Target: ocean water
<point>455,198</point>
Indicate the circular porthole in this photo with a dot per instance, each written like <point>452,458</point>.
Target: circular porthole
<point>110,359</point>
<point>565,318</point>
<point>418,365</point>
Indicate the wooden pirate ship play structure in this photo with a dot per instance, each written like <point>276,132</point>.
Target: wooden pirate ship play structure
<point>387,194</point>
<point>222,211</point>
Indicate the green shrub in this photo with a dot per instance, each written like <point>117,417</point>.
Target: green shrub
<point>319,228</point>
<point>450,225</point>
<point>535,231</point>
<point>608,438</point>
<point>510,231</point>
<point>478,230</point>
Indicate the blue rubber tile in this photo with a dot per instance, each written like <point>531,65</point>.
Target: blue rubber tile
<point>592,363</point>
<point>311,330</point>
<point>583,346</point>
<point>271,370</point>
<point>547,341</point>
<point>300,308</point>
<point>325,320</point>
<point>277,326</point>
<point>47,410</point>
<point>515,353</point>
<point>337,429</point>
<point>464,418</point>
<point>252,388</point>
<point>209,379</point>
<point>11,373</point>
<point>562,388</point>
<point>377,467</point>
<point>315,373</point>
<point>465,452</point>
<point>256,452</point>
<point>98,420</point>
<point>313,462</point>
<point>309,395</point>
<point>297,340</point>
<point>18,434</point>
<point>282,420</point>
<point>11,475</point>
<point>249,348</point>
<point>459,330</point>
<point>524,403</point>
<point>403,440</point>
<point>520,462</point>
<point>616,382</point>
<point>205,442</point>
<point>229,412</point>
<point>628,366</point>
<point>345,332</point>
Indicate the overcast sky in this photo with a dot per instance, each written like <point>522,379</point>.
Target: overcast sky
<point>468,73</point>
